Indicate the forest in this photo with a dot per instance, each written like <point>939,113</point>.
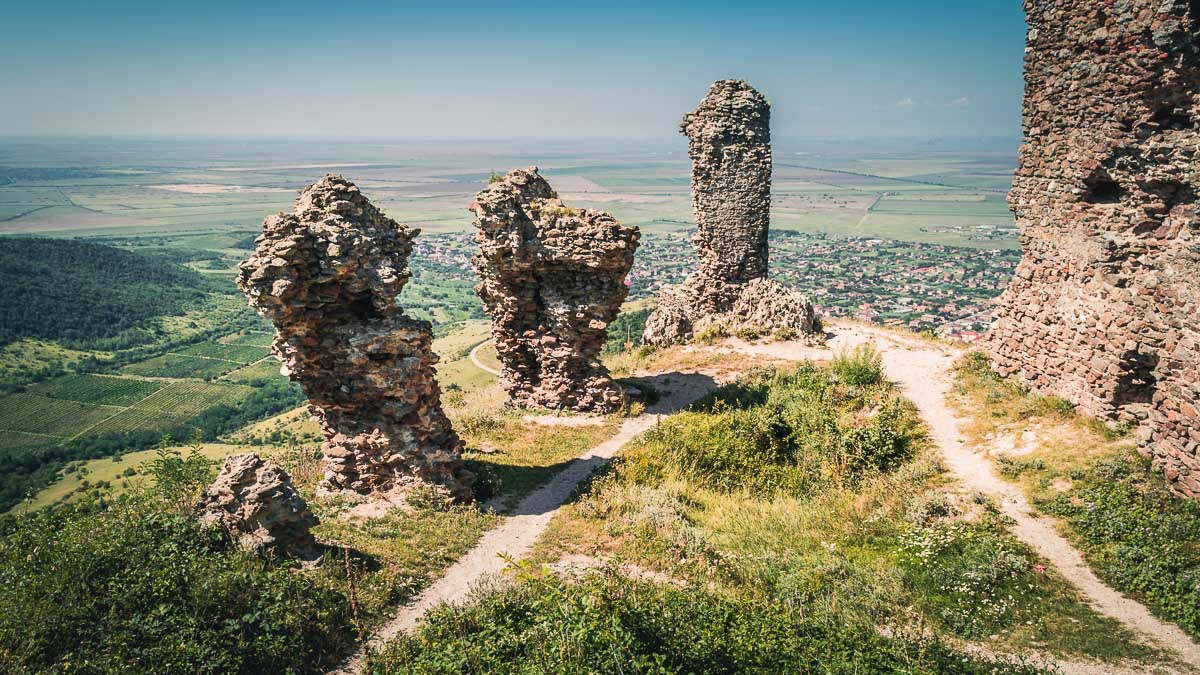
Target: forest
<point>75,292</point>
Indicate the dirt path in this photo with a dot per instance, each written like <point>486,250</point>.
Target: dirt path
<point>521,528</point>
<point>474,356</point>
<point>922,369</point>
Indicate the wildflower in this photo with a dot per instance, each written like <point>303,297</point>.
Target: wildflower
<point>1039,568</point>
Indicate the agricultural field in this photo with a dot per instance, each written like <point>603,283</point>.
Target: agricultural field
<point>234,353</point>
<point>123,407</point>
<point>207,196</point>
<point>104,389</point>
<point>180,366</point>
<point>33,414</point>
<point>262,370</point>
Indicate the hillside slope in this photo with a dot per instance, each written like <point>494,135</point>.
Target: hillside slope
<point>74,291</point>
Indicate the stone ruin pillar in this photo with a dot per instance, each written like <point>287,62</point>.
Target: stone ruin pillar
<point>729,141</point>
<point>255,504</point>
<point>552,278</point>
<point>328,275</point>
<point>1104,306</point>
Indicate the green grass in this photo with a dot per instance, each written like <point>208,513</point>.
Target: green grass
<point>877,543</point>
<point>758,563</point>
<point>1134,533</point>
<point>82,480</point>
<point>512,457</point>
<point>1138,536</point>
<point>136,585</point>
<point>607,623</point>
<point>782,432</point>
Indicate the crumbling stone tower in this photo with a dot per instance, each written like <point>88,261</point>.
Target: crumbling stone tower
<point>1103,309</point>
<point>552,278</point>
<point>729,141</point>
<point>328,275</point>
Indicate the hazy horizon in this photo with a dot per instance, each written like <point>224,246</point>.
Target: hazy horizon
<point>618,70</point>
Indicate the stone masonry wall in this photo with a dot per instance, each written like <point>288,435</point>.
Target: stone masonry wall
<point>1103,308</point>
<point>552,278</point>
<point>328,275</point>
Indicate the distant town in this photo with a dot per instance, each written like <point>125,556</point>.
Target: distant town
<point>949,290</point>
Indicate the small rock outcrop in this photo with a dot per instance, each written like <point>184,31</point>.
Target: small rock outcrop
<point>729,141</point>
<point>1103,308</point>
<point>328,275</point>
<point>552,278</point>
<point>254,503</point>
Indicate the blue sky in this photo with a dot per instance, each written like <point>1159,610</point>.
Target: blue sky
<point>530,69</point>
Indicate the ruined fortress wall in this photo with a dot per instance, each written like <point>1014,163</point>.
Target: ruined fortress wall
<point>1103,307</point>
<point>552,278</point>
<point>328,274</point>
<point>729,141</point>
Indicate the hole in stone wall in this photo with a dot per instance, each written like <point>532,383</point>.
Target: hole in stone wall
<point>362,308</point>
<point>1177,194</point>
<point>1171,116</point>
<point>1102,189</point>
<point>1137,382</point>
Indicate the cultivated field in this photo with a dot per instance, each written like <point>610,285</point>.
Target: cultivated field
<point>195,193</point>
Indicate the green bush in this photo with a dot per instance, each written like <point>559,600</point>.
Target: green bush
<point>1138,536</point>
<point>780,430</point>
<point>607,623</point>
<point>135,585</point>
<point>710,335</point>
<point>860,366</point>
<point>970,577</point>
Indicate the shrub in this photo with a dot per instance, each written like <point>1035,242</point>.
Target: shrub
<point>860,366</point>
<point>751,333</point>
<point>785,334</point>
<point>1138,536</point>
<point>607,623</point>
<point>713,333</point>
<point>971,578</point>
<point>135,585</point>
<point>789,431</point>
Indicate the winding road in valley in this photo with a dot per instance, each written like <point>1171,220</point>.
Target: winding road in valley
<point>474,356</point>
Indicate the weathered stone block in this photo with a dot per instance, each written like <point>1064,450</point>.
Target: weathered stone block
<point>255,504</point>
